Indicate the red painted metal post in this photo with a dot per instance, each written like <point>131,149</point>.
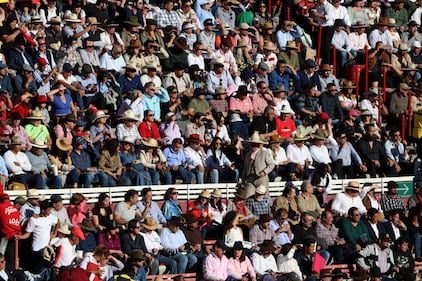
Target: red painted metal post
<point>319,44</point>
<point>16,254</point>
<point>403,126</point>
<point>366,68</point>
<point>334,61</point>
<point>270,7</point>
<point>288,13</point>
<point>385,84</point>
<point>409,116</point>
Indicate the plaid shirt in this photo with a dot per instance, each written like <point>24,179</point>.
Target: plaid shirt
<point>165,18</point>
<point>328,234</point>
<point>388,203</point>
<point>258,207</point>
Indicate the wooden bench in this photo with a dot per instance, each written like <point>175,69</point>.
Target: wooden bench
<point>343,267</point>
<point>186,276</point>
<point>418,267</point>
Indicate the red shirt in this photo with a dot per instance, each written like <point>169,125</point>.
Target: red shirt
<point>9,220</point>
<point>21,109</point>
<point>285,128</point>
<point>149,130</point>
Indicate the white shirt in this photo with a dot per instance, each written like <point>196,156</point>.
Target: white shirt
<point>41,228</point>
<point>108,62</point>
<point>262,264</point>
<point>280,156</point>
<point>67,251</point>
<point>343,202</point>
<point>283,237</point>
<point>172,241</point>
<point>194,158</point>
<point>21,158</point>
<point>375,229</point>
<point>320,154</point>
<point>194,59</point>
<point>152,241</point>
<point>298,155</point>
<point>106,38</point>
<point>341,13</point>
<point>327,10</point>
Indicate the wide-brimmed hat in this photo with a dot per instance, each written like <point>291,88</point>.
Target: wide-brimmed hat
<point>392,22</point>
<point>267,245</point>
<point>129,115</point>
<point>220,244</point>
<point>299,136</point>
<point>100,114</point>
<point>337,273</point>
<point>242,43</point>
<point>366,112</point>
<point>353,185</point>
<point>35,19</point>
<point>256,138</point>
<point>34,194</point>
<point>291,45</point>
<point>35,115</point>
<point>310,63</point>
<point>217,60</point>
<point>70,117</point>
<point>274,139</point>
<point>383,22</point>
<point>268,45</point>
<point>150,142</point>
<point>194,138</point>
<point>128,139</point>
<point>238,245</point>
<point>325,67</point>
<point>404,86</point>
<point>267,25</point>
<point>216,193</point>
<point>150,224</point>
<point>111,23</point>
<point>177,221</point>
<point>241,194</point>
<point>319,135</point>
<point>347,84</point>
<point>38,143</point>
<point>87,225</point>
<point>279,88</point>
<point>261,189</point>
<point>244,26</point>
<point>73,18</point>
<point>64,144</point>
<point>188,26</point>
<point>55,20</point>
<point>403,47</point>
<point>64,228</point>
<point>360,24</point>
<point>133,21</point>
<point>15,141</point>
<point>93,21</point>
<point>219,91</point>
<point>205,194</point>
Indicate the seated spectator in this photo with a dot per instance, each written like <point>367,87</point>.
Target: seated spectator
<point>127,210</point>
<point>148,128</point>
<point>217,208</point>
<point>395,227</point>
<point>154,162</point>
<point>345,200</point>
<point>88,174</point>
<point>374,225</point>
<point>110,238</point>
<point>306,200</point>
<point>90,243</point>
<point>286,263</point>
<point>322,182</point>
<point>283,168</point>
<point>354,230</point>
<point>174,242</point>
<point>285,124</point>
<point>263,231</point>
<point>232,230</point>
<point>170,129</point>
<point>195,157</point>
<point>396,154</point>
<point>305,257</point>
<point>369,198</point>
<point>170,206</point>
<point>176,160</point>
<point>391,200</point>
<point>31,206</point>
<point>132,167</point>
<point>16,129</point>
<point>239,265</point>
<point>36,130</point>
<point>371,151</point>
<point>259,203</point>
<point>305,227</point>
<point>67,244</point>
<point>59,210</point>
<point>102,214</point>
<point>216,264</point>
<point>221,169</point>
<point>149,208</point>
<point>281,227</point>
<point>299,154</point>
<point>403,259</point>
<point>41,166</point>
<point>128,128</point>
<point>288,202</point>
<point>77,208</point>
<point>154,245</point>
<point>101,259</point>
<point>194,237</point>
<point>263,261</point>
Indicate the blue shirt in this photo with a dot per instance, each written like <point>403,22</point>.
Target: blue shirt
<point>172,241</point>
<point>276,79</point>
<point>171,208</point>
<point>3,168</point>
<point>81,161</point>
<point>174,158</point>
<point>154,211</point>
<point>87,245</point>
<point>127,85</point>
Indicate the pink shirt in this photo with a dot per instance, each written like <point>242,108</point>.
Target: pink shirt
<point>215,268</point>
<point>242,105</point>
<point>237,269</point>
<point>359,41</point>
<point>77,213</point>
<point>259,103</point>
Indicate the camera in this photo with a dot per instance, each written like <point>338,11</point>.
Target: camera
<point>157,49</point>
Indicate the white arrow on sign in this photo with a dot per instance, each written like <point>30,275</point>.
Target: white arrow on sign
<point>404,187</point>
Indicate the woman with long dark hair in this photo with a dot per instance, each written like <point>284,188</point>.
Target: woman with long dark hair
<point>220,167</point>
<point>240,267</point>
<point>153,159</point>
<point>131,165</point>
<point>170,205</point>
<point>102,215</point>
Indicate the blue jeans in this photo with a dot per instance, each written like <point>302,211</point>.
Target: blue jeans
<point>33,181</point>
<point>54,182</point>
<point>185,262</point>
<point>199,175</point>
<point>218,175</point>
<point>87,178</point>
<point>184,174</point>
<point>168,262</point>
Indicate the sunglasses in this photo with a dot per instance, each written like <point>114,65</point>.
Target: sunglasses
<point>174,193</point>
<point>150,115</point>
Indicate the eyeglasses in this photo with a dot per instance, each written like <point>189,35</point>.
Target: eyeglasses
<point>90,46</point>
<point>175,193</point>
<point>290,25</point>
<point>219,143</point>
<point>138,226</point>
<point>150,115</point>
<point>263,6</point>
<point>356,215</point>
<point>397,135</point>
<point>343,137</point>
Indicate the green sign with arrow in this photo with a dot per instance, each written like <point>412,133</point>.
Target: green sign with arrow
<point>405,189</point>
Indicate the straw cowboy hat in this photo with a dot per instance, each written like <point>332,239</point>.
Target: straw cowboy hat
<point>34,194</point>
<point>55,20</point>
<point>100,114</point>
<point>150,142</point>
<point>274,139</point>
<point>291,45</point>
<point>64,144</point>
<point>38,143</point>
<point>255,138</point>
<point>216,193</point>
<point>241,194</point>
<point>150,224</point>
<point>35,19</point>
<point>241,43</point>
<point>218,60</point>
<point>268,25</point>
<point>319,135</point>
<point>366,112</point>
<point>268,45</point>
<point>279,88</point>
<point>73,18</point>
<point>219,91</point>
<point>347,84</point>
<point>205,194</point>
<point>129,115</point>
<point>392,22</point>
<point>353,185</point>
<point>261,189</point>
<point>35,115</point>
<point>128,139</point>
<point>299,136</point>
<point>15,141</point>
<point>93,21</point>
